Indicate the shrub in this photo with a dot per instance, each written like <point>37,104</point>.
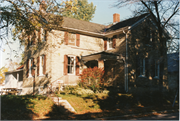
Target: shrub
<point>69,89</point>
<point>81,91</point>
<point>92,78</point>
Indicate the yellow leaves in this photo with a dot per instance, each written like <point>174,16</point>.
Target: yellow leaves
<point>2,75</point>
<point>32,1</point>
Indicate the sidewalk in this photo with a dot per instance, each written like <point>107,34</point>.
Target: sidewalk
<point>128,116</point>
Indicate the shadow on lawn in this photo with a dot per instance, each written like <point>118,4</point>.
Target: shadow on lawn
<point>15,107</point>
<point>115,104</point>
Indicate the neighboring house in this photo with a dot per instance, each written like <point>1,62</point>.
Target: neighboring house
<point>173,71</point>
<point>14,79</point>
<point>127,50</point>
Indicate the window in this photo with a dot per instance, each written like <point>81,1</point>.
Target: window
<point>109,43</point>
<point>30,67</point>
<point>156,69</point>
<point>142,67</point>
<point>43,35</point>
<point>41,65</point>
<point>71,65</point>
<point>72,39</point>
<point>33,38</point>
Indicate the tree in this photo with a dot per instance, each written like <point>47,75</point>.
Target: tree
<point>19,18</point>
<point>79,9</point>
<point>2,75</point>
<point>164,14</point>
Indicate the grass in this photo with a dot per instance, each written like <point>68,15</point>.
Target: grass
<point>24,107</point>
<point>86,106</point>
<point>82,104</point>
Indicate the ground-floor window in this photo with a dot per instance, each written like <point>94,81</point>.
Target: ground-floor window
<point>142,67</point>
<point>156,69</point>
<point>71,65</point>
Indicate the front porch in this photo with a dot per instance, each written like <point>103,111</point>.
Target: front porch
<point>113,65</point>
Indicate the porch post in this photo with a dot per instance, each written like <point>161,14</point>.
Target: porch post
<point>101,63</point>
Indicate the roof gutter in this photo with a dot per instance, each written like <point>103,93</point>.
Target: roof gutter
<point>13,71</point>
<point>102,35</point>
<point>135,24</point>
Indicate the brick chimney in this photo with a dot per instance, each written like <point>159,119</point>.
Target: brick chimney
<point>116,18</point>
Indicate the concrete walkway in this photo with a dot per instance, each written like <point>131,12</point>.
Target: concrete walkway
<point>61,102</point>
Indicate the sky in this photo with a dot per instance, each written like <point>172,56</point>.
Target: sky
<point>103,15</point>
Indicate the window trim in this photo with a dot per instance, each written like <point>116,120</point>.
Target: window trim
<point>40,66</point>
<point>74,73</point>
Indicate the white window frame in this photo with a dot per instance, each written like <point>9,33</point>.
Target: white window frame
<point>74,35</point>
<point>142,68</point>
<point>156,76</point>
<point>109,41</point>
<point>41,66</point>
<point>30,68</point>
<point>73,65</point>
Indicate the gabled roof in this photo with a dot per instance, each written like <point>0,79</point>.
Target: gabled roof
<point>80,25</point>
<point>126,23</point>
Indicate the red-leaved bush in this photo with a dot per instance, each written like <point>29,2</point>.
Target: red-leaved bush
<point>92,78</point>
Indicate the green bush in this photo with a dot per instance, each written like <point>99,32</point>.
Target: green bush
<point>81,91</point>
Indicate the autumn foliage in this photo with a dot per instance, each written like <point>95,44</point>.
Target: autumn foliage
<point>92,78</point>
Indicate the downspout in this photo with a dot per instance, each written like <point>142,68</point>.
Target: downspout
<point>126,63</point>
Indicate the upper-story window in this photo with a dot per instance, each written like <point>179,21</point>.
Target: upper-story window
<point>72,39</point>
<point>33,38</point>
<point>109,43</point>
<point>43,35</point>
<point>146,35</point>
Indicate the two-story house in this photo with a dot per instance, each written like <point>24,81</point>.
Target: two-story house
<point>128,51</point>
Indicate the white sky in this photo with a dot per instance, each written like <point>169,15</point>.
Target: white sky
<point>103,15</point>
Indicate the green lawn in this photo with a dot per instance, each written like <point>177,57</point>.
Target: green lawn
<point>86,106</point>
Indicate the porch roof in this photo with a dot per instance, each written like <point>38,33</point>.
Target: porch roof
<point>100,56</point>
